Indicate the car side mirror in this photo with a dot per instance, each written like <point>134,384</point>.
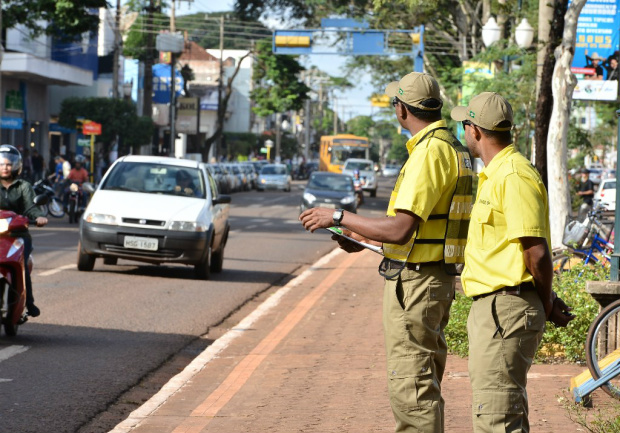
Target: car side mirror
<point>222,199</point>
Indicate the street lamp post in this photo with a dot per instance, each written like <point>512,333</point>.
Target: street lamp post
<point>524,36</point>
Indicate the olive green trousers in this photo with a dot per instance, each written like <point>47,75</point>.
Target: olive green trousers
<point>416,309</point>
<point>504,333</point>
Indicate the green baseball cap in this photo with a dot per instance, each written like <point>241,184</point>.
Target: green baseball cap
<point>488,110</point>
<point>415,88</point>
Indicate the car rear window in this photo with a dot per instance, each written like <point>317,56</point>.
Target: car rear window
<point>331,183</point>
<point>156,179</point>
<point>609,185</point>
<point>272,169</point>
<point>358,165</point>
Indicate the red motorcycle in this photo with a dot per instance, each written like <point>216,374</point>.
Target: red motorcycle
<point>13,268</point>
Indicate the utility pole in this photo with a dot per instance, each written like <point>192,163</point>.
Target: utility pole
<point>117,49</point>
<point>1,56</point>
<point>173,101</point>
<point>220,83</point>
<point>147,109</point>
<point>173,26</point>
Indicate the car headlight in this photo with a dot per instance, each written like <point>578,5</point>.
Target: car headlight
<point>188,226</point>
<point>4,224</point>
<point>98,218</point>
<point>309,197</point>
<point>348,199</point>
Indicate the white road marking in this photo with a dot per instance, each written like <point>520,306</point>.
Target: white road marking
<point>56,270</point>
<point>10,351</point>
<point>41,235</point>
<point>251,227</point>
<point>211,352</point>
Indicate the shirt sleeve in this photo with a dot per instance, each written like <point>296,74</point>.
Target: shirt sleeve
<point>31,211</point>
<point>524,207</point>
<point>424,182</point>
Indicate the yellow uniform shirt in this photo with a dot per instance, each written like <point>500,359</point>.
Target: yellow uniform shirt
<point>511,203</point>
<point>424,186</point>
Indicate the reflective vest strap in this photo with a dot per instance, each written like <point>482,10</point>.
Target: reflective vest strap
<point>429,241</point>
<point>439,216</point>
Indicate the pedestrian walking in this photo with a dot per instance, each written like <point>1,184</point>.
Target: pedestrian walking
<point>508,270</point>
<point>38,165</point>
<point>422,238</point>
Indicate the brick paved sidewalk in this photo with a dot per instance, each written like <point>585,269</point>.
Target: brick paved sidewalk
<point>315,362</point>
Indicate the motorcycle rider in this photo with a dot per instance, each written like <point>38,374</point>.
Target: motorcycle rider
<point>17,195</point>
<point>79,175</point>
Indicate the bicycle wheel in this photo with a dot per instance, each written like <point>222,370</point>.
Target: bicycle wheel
<point>603,346</point>
<point>566,259</point>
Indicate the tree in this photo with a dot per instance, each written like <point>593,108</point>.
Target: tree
<point>563,84</point>
<point>118,117</point>
<point>61,18</point>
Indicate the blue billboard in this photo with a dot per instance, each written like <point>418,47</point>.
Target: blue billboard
<point>597,51</point>
<point>161,83</point>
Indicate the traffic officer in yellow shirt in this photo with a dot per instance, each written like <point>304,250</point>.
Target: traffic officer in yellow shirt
<point>508,270</point>
<point>422,238</point>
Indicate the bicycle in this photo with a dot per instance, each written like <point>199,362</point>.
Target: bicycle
<point>584,243</point>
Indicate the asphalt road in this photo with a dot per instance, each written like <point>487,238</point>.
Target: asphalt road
<point>102,333</point>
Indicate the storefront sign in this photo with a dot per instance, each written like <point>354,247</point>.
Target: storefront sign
<point>12,123</point>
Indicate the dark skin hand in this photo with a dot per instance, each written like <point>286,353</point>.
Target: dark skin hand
<point>538,262</point>
<point>393,230</point>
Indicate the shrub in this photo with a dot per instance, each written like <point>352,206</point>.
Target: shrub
<point>558,344</point>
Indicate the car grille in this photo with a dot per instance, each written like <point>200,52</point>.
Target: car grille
<point>168,254</point>
<point>144,222</point>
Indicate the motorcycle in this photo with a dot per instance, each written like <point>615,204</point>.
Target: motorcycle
<point>13,268</point>
<point>54,206</point>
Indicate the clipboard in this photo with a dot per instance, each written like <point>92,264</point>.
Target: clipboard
<point>338,231</point>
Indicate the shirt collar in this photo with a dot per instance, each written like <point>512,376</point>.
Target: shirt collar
<point>413,141</point>
<point>497,160</point>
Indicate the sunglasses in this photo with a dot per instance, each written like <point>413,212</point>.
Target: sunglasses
<point>395,102</point>
<point>466,122</point>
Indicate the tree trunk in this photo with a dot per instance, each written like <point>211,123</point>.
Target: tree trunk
<point>563,84</point>
<point>544,103</point>
<point>221,111</point>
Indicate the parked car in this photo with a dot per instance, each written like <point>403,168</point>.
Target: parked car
<point>330,190</point>
<point>251,174</point>
<point>595,175</point>
<point>236,183</point>
<point>156,210</point>
<point>221,177</point>
<point>274,176</point>
<point>390,170</point>
<point>366,170</point>
<point>606,194</point>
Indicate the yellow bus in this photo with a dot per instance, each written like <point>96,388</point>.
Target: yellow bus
<point>336,149</point>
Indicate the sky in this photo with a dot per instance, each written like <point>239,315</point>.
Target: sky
<point>354,102</point>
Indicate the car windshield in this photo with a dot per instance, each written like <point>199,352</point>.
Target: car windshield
<point>273,169</point>
<point>331,183</point>
<point>155,179</point>
<point>358,165</point>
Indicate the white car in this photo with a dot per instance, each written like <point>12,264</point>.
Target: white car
<point>366,169</point>
<point>156,210</point>
<point>606,194</point>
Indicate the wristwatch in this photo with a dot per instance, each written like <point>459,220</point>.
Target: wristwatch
<point>337,217</point>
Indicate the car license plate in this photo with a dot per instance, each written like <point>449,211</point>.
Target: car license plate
<point>139,243</point>
<point>329,205</point>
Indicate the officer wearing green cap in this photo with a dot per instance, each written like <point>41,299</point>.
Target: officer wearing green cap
<point>423,239</point>
<point>508,270</point>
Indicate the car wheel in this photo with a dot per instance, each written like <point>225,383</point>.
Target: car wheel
<point>203,269</point>
<point>373,193</point>
<point>110,260</point>
<point>85,262</point>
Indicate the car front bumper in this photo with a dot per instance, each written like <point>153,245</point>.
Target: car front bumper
<point>172,246</point>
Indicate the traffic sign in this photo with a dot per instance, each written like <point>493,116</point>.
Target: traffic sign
<point>91,128</point>
<point>263,150</point>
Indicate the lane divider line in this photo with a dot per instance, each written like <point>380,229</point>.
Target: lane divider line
<point>56,270</point>
<point>200,362</point>
<point>11,351</point>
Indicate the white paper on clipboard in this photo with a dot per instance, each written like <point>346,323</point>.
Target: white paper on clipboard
<point>338,231</point>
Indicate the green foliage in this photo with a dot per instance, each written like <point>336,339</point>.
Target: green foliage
<point>398,152</point>
<point>240,144</point>
<point>599,420</point>
<point>136,43</point>
<point>558,343</point>
<point>456,331</point>
<point>117,117</point>
<point>70,18</point>
<point>278,88</point>
<point>361,126</point>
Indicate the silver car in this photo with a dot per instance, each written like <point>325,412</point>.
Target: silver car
<point>274,176</point>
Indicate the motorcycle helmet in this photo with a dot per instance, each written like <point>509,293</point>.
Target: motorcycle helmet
<point>15,158</point>
<point>356,174</point>
<point>80,159</point>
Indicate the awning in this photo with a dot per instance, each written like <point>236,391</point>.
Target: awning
<point>28,67</point>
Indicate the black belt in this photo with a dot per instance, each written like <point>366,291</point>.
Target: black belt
<point>395,264</point>
<point>512,290</point>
